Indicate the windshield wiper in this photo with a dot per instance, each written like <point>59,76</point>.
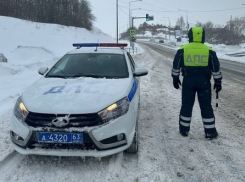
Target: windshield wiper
<point>111,77</point>
<point>88,75</point>
<point>56,76</point>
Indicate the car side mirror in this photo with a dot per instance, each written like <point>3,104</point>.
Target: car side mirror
<point>42,70</point>
<point>140,71</point>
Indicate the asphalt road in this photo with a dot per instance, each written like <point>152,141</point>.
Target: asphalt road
<point>233,70</point>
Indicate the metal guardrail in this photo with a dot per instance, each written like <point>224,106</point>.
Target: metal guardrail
<point>131,50</point>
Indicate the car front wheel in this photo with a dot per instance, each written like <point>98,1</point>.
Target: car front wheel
<point>133,148</point>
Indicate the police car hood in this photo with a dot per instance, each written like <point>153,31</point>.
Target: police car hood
<point>74,96</point>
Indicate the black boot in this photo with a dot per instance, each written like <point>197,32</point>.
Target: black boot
<point>211,135</point>
<point>184,133</point>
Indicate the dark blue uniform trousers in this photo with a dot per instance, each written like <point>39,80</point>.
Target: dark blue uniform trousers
<point>202,86</point>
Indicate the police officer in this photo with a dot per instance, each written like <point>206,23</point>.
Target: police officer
<point>197,62</point>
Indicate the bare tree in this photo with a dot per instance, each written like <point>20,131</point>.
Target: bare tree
<point>65,12</point>
<point>238,25</point>
<point>208,25</point>
<point>180,22</point>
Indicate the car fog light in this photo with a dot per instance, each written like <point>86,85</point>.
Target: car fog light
<point>119,137</point>
<point>17,137</point>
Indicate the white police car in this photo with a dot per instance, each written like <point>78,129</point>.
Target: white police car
<point>87,104</point>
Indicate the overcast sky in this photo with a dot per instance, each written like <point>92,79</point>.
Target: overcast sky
<point>217,11</point>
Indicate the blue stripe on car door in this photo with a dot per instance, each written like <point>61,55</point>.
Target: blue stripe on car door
<point>133,90</point>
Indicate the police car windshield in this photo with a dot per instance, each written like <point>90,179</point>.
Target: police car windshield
<point>96,65</point>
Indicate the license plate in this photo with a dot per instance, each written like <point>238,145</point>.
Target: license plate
<point>44,137</point>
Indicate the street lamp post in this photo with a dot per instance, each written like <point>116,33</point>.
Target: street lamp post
<point>132,17</point>
<point>130,11</point>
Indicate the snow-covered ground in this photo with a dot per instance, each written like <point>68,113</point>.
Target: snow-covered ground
<point>163,154</point>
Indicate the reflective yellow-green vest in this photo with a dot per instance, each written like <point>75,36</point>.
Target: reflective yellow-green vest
<point>196,54</point>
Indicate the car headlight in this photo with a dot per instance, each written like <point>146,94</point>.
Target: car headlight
<point>20,110</point>
<point>115,110</point>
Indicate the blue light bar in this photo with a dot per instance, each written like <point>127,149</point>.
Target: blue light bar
<point>86,45</point>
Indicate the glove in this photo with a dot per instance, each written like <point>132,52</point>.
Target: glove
<point>218,87</point>
<point>176,83</point>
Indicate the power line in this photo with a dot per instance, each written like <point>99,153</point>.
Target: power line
<point>174,11</point>
<point>123,2</point>
<point>200,11</point>
<point>123,11</point>
<point>115,4</point>
<point>149,4</point>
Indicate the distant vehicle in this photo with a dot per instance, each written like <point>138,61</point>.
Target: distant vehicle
<point>87,104</point>
<point>161,41</point>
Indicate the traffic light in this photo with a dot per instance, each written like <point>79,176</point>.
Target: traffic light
<point>147,17</point>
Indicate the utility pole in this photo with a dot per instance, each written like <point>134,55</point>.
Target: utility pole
<point>117,20</point>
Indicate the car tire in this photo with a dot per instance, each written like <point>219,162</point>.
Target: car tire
<point>133,148</point>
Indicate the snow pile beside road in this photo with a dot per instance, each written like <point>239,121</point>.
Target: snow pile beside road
<point>57,39</point>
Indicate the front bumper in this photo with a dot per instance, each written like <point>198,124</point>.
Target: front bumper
<point>66,152</point>
<point>100,140</point>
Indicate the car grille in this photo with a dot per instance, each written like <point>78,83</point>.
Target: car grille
<point>86,145</point>
<point>77,120</point>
